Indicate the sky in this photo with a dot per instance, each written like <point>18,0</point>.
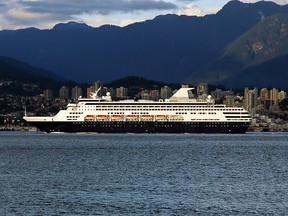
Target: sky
<point>44,14</point>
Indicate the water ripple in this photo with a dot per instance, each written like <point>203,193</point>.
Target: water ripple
<point>98,174</point>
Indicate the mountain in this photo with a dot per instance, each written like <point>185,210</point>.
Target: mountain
<point>71,26</point>
<point>260,56</point>
<point>168,48</point>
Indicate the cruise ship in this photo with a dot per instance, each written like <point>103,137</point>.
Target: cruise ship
<point>179,114</point>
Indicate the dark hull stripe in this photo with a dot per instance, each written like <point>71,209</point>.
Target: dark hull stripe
<point>143,127</point>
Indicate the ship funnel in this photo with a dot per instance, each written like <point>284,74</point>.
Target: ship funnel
<point>181,95</point>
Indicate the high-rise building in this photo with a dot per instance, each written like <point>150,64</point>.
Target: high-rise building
<point>122,92</point>
<point>229,100</point>
<point>90,91</point>
<point>154,95</point>
<point>274,97</point>
<point>48,94</point>
<point>64,92</point>
<point>150,95</point>
<point>202,89</point>
<point>76,92</point>
<point>250,100</point>
<point>145,94</point>
<point>264,94</point>
<point>165,92</point>
<point>219,93</point>
<point>264,98</point>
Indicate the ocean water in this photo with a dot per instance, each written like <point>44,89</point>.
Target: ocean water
<point>130,174</point>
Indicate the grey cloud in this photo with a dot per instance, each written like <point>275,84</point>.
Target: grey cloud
<point>3,8</point>
<point>69,7</point>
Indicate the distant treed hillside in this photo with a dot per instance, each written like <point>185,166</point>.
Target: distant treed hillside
<point>12,69</point>
<point>27,80</point>
<point>134,81</point>
<point>258,57</point>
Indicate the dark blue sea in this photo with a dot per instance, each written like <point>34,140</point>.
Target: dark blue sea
<point>129,174</point>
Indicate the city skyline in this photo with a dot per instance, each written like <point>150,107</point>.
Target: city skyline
<point>201,91</point>
<point>44,14</point>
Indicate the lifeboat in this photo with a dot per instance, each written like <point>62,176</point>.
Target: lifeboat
<point>131,117</point>
<point>89,118</point>
<point>147,117</point>
<point>117,117</point>
<point>161,117</point>
<point>102,116</point>
<point>176,117</point>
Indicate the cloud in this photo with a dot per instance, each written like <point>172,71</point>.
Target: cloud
<point>16,15</point>
<point>98,20</point>
<point>104,7</point>
<point>45,13</point>
<point>2,7</point>
<point>191,10</point>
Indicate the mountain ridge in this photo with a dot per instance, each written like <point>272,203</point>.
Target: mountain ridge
<point>264,44</point>
<point>168,48</point>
